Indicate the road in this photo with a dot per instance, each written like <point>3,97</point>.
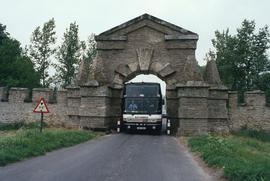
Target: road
<point>117,157</point>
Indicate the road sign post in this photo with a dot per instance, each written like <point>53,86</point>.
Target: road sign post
<point>41,120</point>
<point>41,108</point>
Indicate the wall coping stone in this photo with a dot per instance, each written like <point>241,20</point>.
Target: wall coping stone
<point>255,92</point>
<point>63,90</point>
<point>105,38</point>
<point>18,89</point>
<point>181,37</point>
<point>219,88</point>
<point>42,89</point>
<point>72,87</point>
<point>116,86</point>
<point>193,84</point>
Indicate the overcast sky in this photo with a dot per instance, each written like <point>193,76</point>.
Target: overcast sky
<point>95,16</point>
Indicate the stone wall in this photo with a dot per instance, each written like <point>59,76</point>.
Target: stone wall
<point>20,108</point>
<point>201,108</point>
<point>253,113</point>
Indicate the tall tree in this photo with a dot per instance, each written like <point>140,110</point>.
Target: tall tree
<point>3,33</point>
<point>16,69</point>
<point>69,55</point>
<point>42,48</point>
<point>241,58</point>
<point>91,49</point>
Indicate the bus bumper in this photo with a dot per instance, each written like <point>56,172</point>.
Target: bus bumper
<point>142,126</point>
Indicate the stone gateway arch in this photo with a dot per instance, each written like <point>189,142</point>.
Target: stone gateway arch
<point>196,104</point>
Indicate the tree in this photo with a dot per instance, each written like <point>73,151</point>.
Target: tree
<point>41,49</point>
<point>16,69</point>
<point>69,55</point>
<point>241,58</point>
<point>263,82</point>
<point>91,49</point>
<point>3,33</point>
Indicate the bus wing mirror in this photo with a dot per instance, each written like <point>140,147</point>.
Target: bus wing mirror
<point>163,102</point>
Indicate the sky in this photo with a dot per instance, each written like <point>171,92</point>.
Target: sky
<point>203,17</point>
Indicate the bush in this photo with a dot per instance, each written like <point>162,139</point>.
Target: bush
<point>241,97</point>
<point>257,134</point>
<point>267,97</point>
<point>242,159</point>
<point>20,125</point>
<point>31,143</point>
<point>11,126</point>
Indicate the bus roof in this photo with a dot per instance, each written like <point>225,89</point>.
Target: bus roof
<point>142,83</point>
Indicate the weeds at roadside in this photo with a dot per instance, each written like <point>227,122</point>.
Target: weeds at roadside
<point>243,157</point>
<point>27,141</point>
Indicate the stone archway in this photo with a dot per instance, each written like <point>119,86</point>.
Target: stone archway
<point>146,45</point>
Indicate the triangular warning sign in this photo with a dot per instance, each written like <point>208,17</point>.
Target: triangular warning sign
<point>41,107</point>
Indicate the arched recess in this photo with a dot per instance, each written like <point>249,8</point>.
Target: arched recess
<point>126,72</point>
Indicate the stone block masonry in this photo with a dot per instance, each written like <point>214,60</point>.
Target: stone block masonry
<point>199,112</point>
<point>20,108</point>
<point>253,114</point>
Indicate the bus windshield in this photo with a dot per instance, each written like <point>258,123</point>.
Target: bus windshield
<point>142,105</point>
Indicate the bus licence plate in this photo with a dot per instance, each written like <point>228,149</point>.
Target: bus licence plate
<point>141,128</point>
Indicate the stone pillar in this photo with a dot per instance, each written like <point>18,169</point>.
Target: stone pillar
<point>38,93</point>
<point>192,109</point>
<point>18,95</point>
<point>94,110</point>
<point>73,105</point>
<point>218,110</point>
<point>115,109</point>
<point>172,107</point>
<point>3,94</point>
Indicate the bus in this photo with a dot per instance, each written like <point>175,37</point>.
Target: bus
<point>141,107</point>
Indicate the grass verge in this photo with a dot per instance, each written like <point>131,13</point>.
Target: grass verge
<point>243,156</point>
<point>16,145</point>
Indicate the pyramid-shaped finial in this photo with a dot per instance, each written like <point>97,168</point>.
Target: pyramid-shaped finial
<point>83,72</point>
<point>211,74</point>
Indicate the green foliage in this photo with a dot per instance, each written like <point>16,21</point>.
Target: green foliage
<point>3,33</point>
<point>260,135</point>
<point>20,125</point>
<point>69,55</point>
<point>241,97</point>
<point>241,58</point>
<point>242,158</point>
<point>13,126</point>
<point>202,69</point>
<point>16,69</point>
<point>91,49</point>
<point>41,49</point>
<point>267,97</point>
<point>263,82</point>
<point>31,142</point>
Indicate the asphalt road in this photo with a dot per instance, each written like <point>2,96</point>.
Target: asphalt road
<point>118,157</point>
